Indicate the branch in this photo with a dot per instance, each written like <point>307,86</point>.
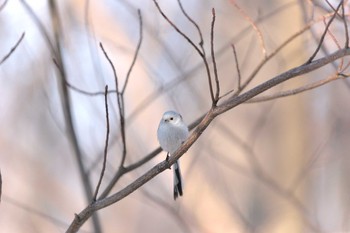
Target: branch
<point>292,73</point>
<point>345,27</point>
<point>120,99</point>
<point>237,68</point>
<point>106,146</point>
<point>232,102</point>
<point>297,90</point>
<point>178,80</point>
<point>217,92</point>
<point>66,100</point>
<point>12,49</point>
<point>200,52</point>
<point>324,33</point>
<point>136,53</point>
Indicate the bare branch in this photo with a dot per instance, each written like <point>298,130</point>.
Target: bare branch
<point>270,56</point>
<point>201,42</point>
<point>297,71</point>
<point>120,101</point>
<point>237,67</point>
<point>297,90</point>
<point>336,43</point>
<point>135,55</point>
<point>324,34</point>
<point>106,146</point>
<point>78,90</point>
<point>208,118</point>
<point>345,27</point>
<point>177,29</point>
<point>201,51</point>
<point>81,91</point>
<point>112,66</point>
<point>217,83</point>
<point>152,97</point>
<point>12,49</point>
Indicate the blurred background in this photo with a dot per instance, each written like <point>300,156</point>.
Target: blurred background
<point>273,166</point>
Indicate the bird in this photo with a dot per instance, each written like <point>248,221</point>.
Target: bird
<point>172,133</point>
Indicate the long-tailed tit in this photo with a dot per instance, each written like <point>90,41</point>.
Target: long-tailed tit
<point>172,132</point>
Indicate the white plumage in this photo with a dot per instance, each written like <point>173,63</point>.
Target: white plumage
<point>172,132</point>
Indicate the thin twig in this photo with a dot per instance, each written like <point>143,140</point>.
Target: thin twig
<point>136,53</point>
<point>40,26</point>
<point>201,51</point>
<point>324,35</point>
<point>295,72</point>
<point>201,41</point>
<point>296,90</point>
<point>270,56</point>
<point>345,27</point>
<point>217,83</point>
<point>12,49</point>
<point>79,90</point>
<point>106,146</point>
<point>337,44</point>
<point>178,80</point>
<point>177,29</point>
<point>34,211</point>
<point>120,101</point>
<point>112,66</point>
<point>2,6</point>
<point>255,27</point>
<point>259,173</point>
<point>237,67</point>
<point>120,98</point>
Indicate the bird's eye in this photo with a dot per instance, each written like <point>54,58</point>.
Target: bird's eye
<point>171,118</point>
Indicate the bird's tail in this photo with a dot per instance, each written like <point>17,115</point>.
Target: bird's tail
<point>177,180</point>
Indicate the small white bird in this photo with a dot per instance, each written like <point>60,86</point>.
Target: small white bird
<point>172,132</point>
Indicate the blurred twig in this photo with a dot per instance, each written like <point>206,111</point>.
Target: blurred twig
<point>0,185</point>
<point>2,6</point>
<point>239,78</point>
<point>57,52</point>
<point>254,25</point>
<point>12,49</point>
<point>295,91</point>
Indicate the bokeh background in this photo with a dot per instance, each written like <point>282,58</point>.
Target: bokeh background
<point>275,166</point>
